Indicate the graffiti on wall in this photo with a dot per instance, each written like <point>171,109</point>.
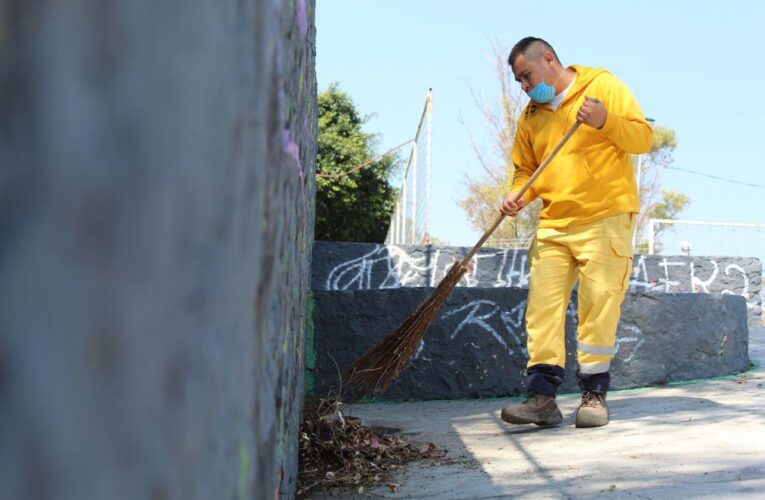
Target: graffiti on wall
<point>392,267</point>
<point>698,275</point>
<point>505,326</point>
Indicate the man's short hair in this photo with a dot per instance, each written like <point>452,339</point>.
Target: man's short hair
<point>532,48</point>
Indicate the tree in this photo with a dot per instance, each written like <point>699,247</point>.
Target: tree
<point>485,194</point>
<point>655,202</point>
<point>356,206</point>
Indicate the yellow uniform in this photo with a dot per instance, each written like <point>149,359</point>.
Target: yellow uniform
<point>590,200</point>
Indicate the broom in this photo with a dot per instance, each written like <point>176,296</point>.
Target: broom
<point>376,369</point>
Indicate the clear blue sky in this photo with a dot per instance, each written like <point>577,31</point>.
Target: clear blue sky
<point>695,67</point>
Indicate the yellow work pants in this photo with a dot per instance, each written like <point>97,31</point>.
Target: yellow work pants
<point>599,254</point>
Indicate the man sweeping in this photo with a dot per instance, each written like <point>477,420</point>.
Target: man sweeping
<point>590,203</point>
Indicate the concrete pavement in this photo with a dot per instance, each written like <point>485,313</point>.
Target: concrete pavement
<point>694,440</point>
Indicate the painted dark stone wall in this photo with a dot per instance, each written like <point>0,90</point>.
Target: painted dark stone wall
<point>476,345</point>
<point>156,226</point>
<point>360,266</point>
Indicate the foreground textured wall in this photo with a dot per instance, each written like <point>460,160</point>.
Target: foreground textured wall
<point>156,194</point>
<point>476,346</point>
<point>360,266</point>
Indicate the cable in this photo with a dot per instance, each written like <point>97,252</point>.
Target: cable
<point>365,164</point>
<point>761,186</point>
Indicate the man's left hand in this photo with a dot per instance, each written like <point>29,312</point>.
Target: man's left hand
<point>592,113</point>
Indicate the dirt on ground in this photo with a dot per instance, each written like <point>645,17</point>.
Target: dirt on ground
<point>339,455</point>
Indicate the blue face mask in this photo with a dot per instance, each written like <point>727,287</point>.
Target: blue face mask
<point>542,93</point>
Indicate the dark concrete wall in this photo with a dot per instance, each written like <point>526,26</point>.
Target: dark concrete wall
<point>476,347</point>
<point>156,218</point>
<point>359,266</point>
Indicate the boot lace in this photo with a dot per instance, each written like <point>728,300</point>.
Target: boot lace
<point>530,397</point>
<point>591,399</point>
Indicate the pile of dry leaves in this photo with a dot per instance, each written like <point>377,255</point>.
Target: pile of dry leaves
<point>338,453</point>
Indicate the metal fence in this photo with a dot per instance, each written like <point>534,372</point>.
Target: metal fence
<point>509,243</point>
<point>410,224</point>
<point>706,238</point>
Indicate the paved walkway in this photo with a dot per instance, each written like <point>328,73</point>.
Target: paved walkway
<point>697,440</point>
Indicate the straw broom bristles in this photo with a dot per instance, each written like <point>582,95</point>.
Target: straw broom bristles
<point>378,368</point>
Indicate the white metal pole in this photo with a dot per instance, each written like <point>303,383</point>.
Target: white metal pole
<point>393,230</point>
<point>639,171</point>
<point>415,159</point>
<point>402,224</point>
<point>639,174</point>
<point>429,166</point>
<point>650,236</point>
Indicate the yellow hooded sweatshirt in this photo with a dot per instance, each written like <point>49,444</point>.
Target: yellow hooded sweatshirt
<point>592,176</point>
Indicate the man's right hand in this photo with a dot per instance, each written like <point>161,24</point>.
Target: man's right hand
<point>511,206</point>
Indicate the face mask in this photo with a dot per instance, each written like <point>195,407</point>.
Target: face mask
<point>543,93</point>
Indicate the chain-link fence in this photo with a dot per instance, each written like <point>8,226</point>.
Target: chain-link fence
<point>731,239</point>
<point>509,243</point>
<point>410,224</point>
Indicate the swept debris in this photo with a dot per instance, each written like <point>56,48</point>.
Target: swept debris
<point>338,454</point>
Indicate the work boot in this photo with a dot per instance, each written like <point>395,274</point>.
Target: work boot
<point>536,409</point>
<point>593,412</point>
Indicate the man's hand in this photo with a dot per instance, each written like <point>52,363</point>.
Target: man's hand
<point>592,113</point>
<point>510,206</point>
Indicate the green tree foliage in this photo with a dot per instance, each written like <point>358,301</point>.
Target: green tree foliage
<point>357,206</point>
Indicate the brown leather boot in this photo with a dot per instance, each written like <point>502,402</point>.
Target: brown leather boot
<point>536,409</point>
<point>593,412</point>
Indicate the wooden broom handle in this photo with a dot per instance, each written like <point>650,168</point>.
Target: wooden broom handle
<point>520,193</point>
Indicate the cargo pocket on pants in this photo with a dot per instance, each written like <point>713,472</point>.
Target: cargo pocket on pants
<point>623,252</point>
